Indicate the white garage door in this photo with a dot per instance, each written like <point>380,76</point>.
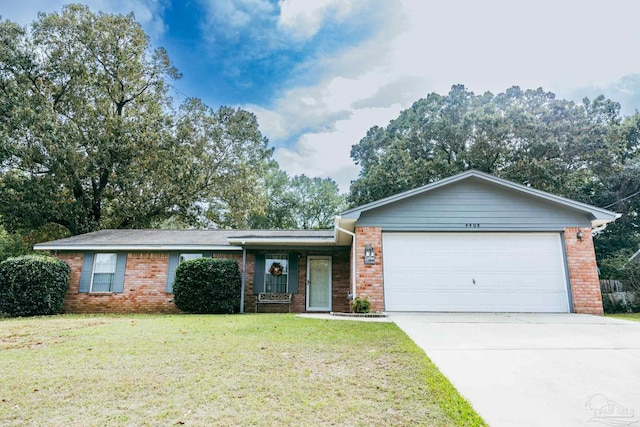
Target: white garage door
<point>495,272</point>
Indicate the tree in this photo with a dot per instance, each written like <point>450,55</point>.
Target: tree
<point>280,202</point>
<point>83,116</point>
<point>318,201</point>
<point>230,155</point>
<point>298,202</point>
<point>587,151</point>
<point>89,138</point>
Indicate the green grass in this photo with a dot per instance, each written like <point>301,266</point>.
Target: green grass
<point>218,370</point>
<point>626,316</point>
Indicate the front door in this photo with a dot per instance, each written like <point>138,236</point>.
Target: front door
<point>319,283</point>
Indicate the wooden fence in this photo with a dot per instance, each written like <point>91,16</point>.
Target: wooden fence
<point>607,286</point>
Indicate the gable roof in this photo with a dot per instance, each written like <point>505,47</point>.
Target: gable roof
<point>598,216</point>
<point>169,240</point>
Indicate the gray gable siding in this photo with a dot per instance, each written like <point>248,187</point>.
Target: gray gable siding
<point>473,205</point>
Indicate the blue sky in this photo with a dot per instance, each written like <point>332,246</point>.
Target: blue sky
<point>320,73</point>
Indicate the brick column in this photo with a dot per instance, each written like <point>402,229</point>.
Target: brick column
<point>369,279</point>
<point>583,273</point>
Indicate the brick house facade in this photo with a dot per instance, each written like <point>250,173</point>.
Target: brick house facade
<point>581,265</point>
<point>144,288</point>
<point>471,242</point>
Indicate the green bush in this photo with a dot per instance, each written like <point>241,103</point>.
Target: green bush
<point>361,305</point>
<point>32,285</point>
<point>611,306</point>
<point>618,267</point>
<point>207,285</point>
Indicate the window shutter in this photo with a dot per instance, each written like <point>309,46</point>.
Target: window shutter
<point>174,260</point>
<point>118,280</point>
<point>293,273</point>
<point>258,274</point>
<point>87,271</point>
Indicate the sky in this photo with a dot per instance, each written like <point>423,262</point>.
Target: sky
<point>319,73</point>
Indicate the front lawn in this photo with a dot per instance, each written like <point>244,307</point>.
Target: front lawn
<point>218,370</point>
<point>626,316</point>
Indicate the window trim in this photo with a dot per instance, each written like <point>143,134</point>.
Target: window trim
<point>269,259</point>
<point>93,272</point>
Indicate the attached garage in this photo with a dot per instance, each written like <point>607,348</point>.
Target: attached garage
<point>476,243</point>
<point>476,272</point>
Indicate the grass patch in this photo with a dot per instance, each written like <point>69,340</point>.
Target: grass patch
<point>626,316</point>
<point>219,370</point>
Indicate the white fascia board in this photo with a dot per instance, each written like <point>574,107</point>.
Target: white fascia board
<point>281,241</point>
<point>600,215</point>
<point>155,248</point>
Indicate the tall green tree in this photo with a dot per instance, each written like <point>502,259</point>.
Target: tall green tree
<point>318,201</point>
<point>231,156</point>
<point>89,137</point>
<point>587,151</point>
<point>83,112</point>
<point>298,202</point>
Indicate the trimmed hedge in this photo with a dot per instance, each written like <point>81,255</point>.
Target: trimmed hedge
<point>33,285</point>
<point>207,285</point>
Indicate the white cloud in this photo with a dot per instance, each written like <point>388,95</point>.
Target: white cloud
<point>302,19</point>
<point>413,47</point>
<point>327,154</point>
<point>236,14</point>
<point>430,46</point>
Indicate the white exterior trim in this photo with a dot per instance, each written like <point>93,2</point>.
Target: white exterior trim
<point>163,248</point>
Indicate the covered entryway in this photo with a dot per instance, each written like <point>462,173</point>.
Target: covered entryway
<point>474,272</point>
<point>319,283</point>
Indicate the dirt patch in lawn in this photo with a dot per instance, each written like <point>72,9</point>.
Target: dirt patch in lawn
<point>37,332</point>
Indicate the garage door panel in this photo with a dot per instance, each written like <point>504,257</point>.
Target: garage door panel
<point>512,272</point>
<point>477,302</point>
<point>542,282</point>
<point>520,265</point>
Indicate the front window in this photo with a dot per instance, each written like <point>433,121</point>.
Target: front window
<point>276,273</point>
<point>187,257</point>
<point>104,272</point>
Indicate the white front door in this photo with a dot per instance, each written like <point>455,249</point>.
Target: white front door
<point>319,283</point>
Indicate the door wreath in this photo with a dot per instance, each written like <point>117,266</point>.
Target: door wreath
<point>276,269</point>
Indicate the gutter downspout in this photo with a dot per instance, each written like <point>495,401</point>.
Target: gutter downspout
<point>353,260</point>
<point>244,274</point>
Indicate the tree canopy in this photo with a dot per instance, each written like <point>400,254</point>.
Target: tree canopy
<point>587,152</point>
<point>83,116</point>
<point>90,138</point>
<point>298,202</point>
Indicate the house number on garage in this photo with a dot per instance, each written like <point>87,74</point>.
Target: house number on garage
<point>472,225</point>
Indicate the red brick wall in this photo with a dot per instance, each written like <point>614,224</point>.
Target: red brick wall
<point>145,285</point>
<point>341,264</point>
<point>369,278</point>
<point>583,273</point>
<point>340,285</point>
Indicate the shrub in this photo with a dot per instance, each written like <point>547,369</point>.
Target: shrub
<point>618,267</point>
<point>207,285</point>
<point>361,305</point>
<point>32,285</point>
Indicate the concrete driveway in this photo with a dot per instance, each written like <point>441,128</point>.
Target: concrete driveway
<point>536,369</point>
